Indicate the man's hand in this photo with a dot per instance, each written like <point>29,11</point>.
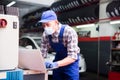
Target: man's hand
<point>51,65</point>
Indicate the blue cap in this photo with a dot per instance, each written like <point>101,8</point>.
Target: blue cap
<point>48,16</point>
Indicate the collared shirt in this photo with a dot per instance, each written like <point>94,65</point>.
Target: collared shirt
<point>70,40</point>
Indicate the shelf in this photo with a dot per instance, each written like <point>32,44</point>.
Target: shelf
<point>74,10</point>
<point>63,6</point>
<point>76,17</point>
<point>115,64</point>
<point>115,40</point>
<point>112,9</point>
<point>115,49</point>
<point>33,17</point>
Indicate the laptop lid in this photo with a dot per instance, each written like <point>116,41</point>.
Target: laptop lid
<point>31,59</point>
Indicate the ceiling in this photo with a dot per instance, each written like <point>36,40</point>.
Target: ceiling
<point>28,3</point>
<point>27,6</point>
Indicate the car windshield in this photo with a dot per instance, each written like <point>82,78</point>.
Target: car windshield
<point>38,41</point>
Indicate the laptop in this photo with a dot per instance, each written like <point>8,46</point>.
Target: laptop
<point>31,59</point>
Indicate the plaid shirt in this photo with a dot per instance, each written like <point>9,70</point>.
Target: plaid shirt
<point>70,40</point>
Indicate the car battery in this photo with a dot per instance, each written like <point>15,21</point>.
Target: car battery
<point>9,37</point>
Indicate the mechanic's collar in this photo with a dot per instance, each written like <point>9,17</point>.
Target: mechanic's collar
<point>56,34</point>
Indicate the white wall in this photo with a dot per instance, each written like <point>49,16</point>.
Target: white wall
<point>106,29</point>
<point>102,11</point>
<point>93,31</point>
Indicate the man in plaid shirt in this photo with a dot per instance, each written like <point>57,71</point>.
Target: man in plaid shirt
<point>64,41</point>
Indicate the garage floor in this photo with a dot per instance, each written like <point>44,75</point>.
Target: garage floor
<point>88,76</point>
<point>92,76</point>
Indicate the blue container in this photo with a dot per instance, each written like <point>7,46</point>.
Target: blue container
<point>14,75</point>
<point>2,79</point>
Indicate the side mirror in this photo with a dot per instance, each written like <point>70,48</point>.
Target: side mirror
<point>29,47</point>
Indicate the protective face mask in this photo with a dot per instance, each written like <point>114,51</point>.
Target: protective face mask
<point>49,30</point>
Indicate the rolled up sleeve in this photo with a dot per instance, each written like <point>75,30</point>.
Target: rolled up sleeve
<point>72,46</point>
<point>44,46</point>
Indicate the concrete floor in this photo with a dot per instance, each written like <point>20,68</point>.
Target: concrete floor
<point>88,76</point>
<point>92,76</point>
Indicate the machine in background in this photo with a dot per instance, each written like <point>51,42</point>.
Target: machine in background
<point>9,47</point>
<point>9,36</point>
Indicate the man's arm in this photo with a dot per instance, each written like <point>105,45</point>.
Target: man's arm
<point>66,61</point>
<point>44,46</point>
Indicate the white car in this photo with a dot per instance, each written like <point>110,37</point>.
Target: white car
<point>34,43</point>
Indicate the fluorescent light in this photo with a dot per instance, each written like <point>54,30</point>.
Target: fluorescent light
<point>86,25</point>
<point>115,22</point>
<point>11,3</point>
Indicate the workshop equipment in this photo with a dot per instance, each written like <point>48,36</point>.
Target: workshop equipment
<point>9,38</point>
<point>114,61</point>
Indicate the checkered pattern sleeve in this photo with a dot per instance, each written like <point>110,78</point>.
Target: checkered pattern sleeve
<point>44,46</point>
<point>72,42</point>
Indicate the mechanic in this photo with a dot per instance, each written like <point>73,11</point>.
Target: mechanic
<point>64,40</point>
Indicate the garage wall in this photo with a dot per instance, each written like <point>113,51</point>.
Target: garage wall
<point>90,51</point>
<point>96,52</point>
